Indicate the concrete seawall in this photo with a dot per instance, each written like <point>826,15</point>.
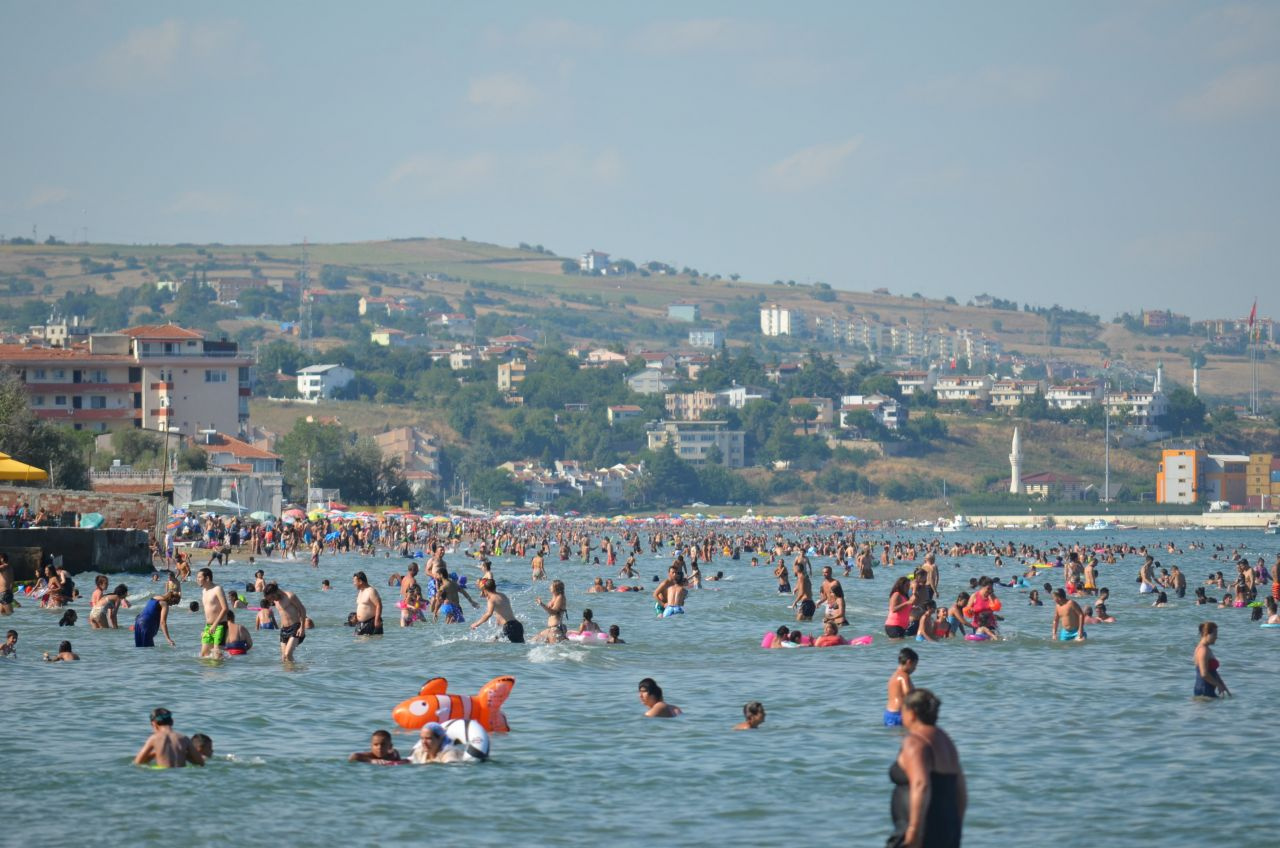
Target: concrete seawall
<point>107,551</point>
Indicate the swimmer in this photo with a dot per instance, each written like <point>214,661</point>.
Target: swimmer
<point>238,639</point>
<point>381,751</point>
<point>1209,683</point>
<point>368,606</point>
<point>830,636</point>
<point>556,630</point>
<point>324,586</point>
<point>499,609</point>
<point>1068,618</point>
<point>597,586</point>
<point>1162,600</point>
<point>900,686</point>
<point>615,635</point>
<point>6,586</point>
<point>65,654</point>
<point>588,624</point>
<point>435,746</point>
<point>203,744</point>
<point>10,646</point>
<point>167,748</point>
<point>651,697</point>
<point>752,714</point>
<point>293,618</point>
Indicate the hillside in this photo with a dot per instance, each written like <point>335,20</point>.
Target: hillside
<point>524,285</point>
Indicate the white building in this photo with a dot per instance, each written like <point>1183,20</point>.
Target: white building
<point>651,382</point>
<point>323,381</point>
<point>711,338</point>
<point>885,410</point>
<point>1074,394</point>
<point>694,440</point>
<point>593,261</point>
<point>963,388</point>
<point>777,320</point>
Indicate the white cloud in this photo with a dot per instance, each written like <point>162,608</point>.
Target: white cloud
<point>688,36</point>
<point>502,93</point>
<point>989,87</point>
<point>154,56</point>
<point>435,174</point>
<point>47,196</point>
<point>1237,93</point>
<point>202,202</point>
<point>810,167</point>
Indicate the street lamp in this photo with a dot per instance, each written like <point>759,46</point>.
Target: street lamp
<point>168,428</point>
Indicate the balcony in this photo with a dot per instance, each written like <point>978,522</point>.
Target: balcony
<point>59,415</point>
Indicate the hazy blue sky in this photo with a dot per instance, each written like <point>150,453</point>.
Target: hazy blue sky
<point>1103,155</point>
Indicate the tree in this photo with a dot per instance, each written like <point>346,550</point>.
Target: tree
<point>132,445</point>
<point>568,266</point>
<point>674,481</point>
<point>191,458</point>
<point>61,451</point>
<point>1184,414</point>
<point>495,486</point>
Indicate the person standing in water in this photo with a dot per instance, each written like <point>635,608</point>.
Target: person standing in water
<point>499,609</point>
<point>900,686</point>
<point>293,618</point>
<point>167,748</point>
<point>368,606</point>
<point>214,602</point>
<point>1209,683</point>
<point>929,792</point>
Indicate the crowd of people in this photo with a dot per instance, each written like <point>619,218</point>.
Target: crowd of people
<point>929,796</point>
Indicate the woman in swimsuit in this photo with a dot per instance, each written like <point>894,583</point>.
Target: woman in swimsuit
<point>103,614</point>
<point>929,793</point>
<point>556,631</point>
<point>1208,682</point>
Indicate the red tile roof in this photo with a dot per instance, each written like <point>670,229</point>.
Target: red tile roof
<point>223,443</point>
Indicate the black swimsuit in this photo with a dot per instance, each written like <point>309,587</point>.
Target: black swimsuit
<point>941,820</point>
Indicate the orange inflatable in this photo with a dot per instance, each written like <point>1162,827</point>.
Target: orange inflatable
<point>434,703</point>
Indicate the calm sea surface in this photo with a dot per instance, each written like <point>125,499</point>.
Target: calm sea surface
<point>1064,744</point>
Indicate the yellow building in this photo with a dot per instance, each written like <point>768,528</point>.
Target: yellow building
<point>1262,481</point>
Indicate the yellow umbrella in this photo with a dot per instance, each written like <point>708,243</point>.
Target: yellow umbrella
<point>11,469</point>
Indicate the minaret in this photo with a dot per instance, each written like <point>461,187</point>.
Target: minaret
<point>1158,387</point>
<point>1015,465</point>
<point>1195,382</point>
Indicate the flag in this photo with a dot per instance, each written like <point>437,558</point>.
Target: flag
<point>1253,313</point>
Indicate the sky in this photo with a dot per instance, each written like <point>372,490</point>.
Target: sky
<point>1105,156</point>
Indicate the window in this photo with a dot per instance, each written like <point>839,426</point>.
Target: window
<point>60,400</point>
<point>98,376</point>
<point>215,376</point>
<point>38,374</point>
<point>98,402</point>
<point>59,374</point>
<point>38,400</point>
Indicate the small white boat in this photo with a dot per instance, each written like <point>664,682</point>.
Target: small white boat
<point>1100,524</point>
<point>1272,528</point>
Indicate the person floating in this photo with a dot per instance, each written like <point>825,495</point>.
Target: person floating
<point>381,751</point>
<point>752,715</point>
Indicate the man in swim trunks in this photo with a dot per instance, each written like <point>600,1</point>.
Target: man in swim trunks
<point>293,618</point>
<point>499,609</point>
<point>447,603</point>
<point>1068,618</point>
<point>380,752</point>
<point>803,604</point>
<point>368,607</point>
<point>167,748</point>
<point>900,686</point>
<point>214,601</point>
<point>6,586</point>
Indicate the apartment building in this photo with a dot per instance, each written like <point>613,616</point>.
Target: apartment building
<point>150,377</point>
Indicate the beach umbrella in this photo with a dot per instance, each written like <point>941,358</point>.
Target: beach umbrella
<point>315,514</point>
<point>263,516</point>
<point>12,469</point>
<point>216,506</point>
<point>293,513</point>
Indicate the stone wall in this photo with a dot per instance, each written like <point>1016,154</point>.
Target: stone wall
<point>134,512</point>
<point>78,549</point>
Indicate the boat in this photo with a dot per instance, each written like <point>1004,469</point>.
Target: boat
<point>1272,528</point>
<point>954,525</point>
<point>1100,524</point>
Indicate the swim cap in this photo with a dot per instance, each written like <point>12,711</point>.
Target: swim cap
<point>161,716</point>
<point>435,728</point>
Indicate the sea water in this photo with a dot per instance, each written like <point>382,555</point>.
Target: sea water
<point>1079,744</point>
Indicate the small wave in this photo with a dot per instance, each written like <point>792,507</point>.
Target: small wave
<point>556,653</point>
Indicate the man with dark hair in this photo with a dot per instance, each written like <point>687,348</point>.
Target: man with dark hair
<point>380,751</point>
<point>368,607</point>
<point>900,686</point>
<point>499,610</point>
<point>1068,618</point>
<point>293,618</point>
<point>214,601</point>
<point>167,748</point>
